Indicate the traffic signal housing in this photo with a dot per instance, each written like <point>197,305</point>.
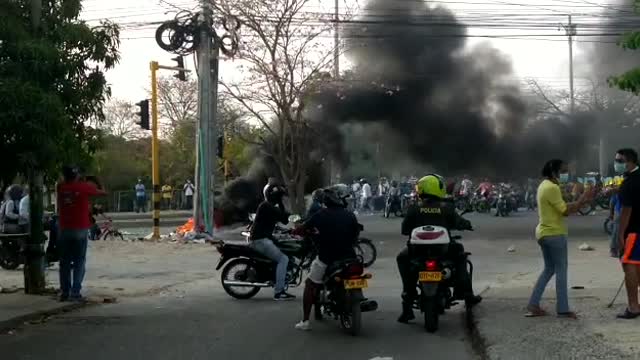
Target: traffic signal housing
<point>181,75</point>
<point>143,114</point>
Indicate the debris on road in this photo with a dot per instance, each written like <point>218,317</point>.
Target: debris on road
<point>585,247</point>
<point>511,248</point>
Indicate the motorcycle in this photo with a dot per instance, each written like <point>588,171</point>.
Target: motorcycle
<point>393,206</point>
<point>11,245</point>
<point>341,296</point>
<point>503,203</point>
<point>249,270</point>
<point>480,203</point>
<point>428,247</point>
<point>364,248</point>
<point>408,200</point>
<point>11,250</point>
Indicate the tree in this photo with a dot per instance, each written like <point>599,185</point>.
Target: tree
<point>52,70</point>
<point>178,102</point>
<point>283,59</point>
<point>615,114</point>
<point>629,81</point>
<point>120,120</point>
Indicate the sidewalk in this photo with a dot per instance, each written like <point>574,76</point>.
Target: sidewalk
<point>115,270</point>
<point>597,334</point>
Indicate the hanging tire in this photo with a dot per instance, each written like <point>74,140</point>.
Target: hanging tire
<point>366,251</point>
<point>245,268</point>
<point>351,320</point>
<point>431,314</point>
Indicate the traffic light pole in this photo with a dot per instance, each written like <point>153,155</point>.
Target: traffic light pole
<point>155,159</point>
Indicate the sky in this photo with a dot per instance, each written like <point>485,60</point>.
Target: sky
<point>530,33</point>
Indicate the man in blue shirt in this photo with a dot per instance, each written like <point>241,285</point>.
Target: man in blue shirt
<point>141,196</point>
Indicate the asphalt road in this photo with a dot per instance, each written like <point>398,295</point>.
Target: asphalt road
<point>199,321</point>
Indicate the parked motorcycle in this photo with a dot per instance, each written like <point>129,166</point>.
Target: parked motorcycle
<point>480,203</point>
<point>10,250</point>
<point>341,296</point>
<point>428,247</point>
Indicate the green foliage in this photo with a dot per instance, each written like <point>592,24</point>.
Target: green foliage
<point>629,81</point>
<point>52,85</point>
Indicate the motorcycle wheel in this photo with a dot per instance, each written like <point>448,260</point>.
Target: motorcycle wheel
<point>604,203</point>
<point>586,210</point>
<point>113,235</point>
<point>430,309</point>
<point>241,267</point>
<point>351,320</point>
<point>8,261</point>
<point>366,251</point>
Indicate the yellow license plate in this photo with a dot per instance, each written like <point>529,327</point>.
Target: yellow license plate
<point>430,276</point>
<point>355,284</point>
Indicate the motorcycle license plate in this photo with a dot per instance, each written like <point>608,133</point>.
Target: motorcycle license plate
<point>355,284</point>
<point>430,276</point>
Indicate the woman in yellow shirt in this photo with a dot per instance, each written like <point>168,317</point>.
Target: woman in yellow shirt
<point>551,234</point>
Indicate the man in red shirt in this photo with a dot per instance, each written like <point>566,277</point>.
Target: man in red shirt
<point>74,223</point>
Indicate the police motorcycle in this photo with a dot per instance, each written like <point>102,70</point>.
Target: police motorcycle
<point>428,248</point>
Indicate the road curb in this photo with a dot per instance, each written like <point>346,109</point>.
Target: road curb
<point>478,341</point>
<point>38,316</point>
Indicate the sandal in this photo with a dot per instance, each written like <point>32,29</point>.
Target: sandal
<point>535,312</point>
<point>569,315</point>
<point>627,314</point>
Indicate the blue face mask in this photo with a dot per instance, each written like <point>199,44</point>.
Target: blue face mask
<point>563,178</point>
<point>619,168</point>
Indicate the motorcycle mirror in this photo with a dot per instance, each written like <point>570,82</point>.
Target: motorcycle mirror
<point>294,218</point>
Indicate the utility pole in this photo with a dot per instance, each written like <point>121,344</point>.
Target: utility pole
<point>334,177</point>
<point>155,151</point>
<point>570,30</point>
<point>206,140</point>
<point>34,279</point>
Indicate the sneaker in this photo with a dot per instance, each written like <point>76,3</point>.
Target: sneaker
<point>303,325</point>
<point>283,296</point>
<point>78,299</point>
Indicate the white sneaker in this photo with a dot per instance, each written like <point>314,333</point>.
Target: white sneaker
<point>303,325</point>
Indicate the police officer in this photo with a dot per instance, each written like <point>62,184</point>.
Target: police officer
<point>433,209</point>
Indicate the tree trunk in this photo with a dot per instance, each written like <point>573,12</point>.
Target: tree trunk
<point>296,197</point>
<point>34,280</point>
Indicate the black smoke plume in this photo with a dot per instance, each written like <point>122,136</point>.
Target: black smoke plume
<point>455,109</point>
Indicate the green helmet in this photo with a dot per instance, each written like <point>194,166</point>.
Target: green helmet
<point>432,185</point>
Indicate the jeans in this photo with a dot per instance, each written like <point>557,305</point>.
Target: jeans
<point>270,250</point>
<point>555,254</point>
<point>73,250</point>
<point>140,203</point>
<point>614,246</point>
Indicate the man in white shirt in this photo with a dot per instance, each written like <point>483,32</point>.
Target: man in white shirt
<point>23,212</point>
<point>188,194</point>
<point>271,182</point>
<point>366,195</point>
